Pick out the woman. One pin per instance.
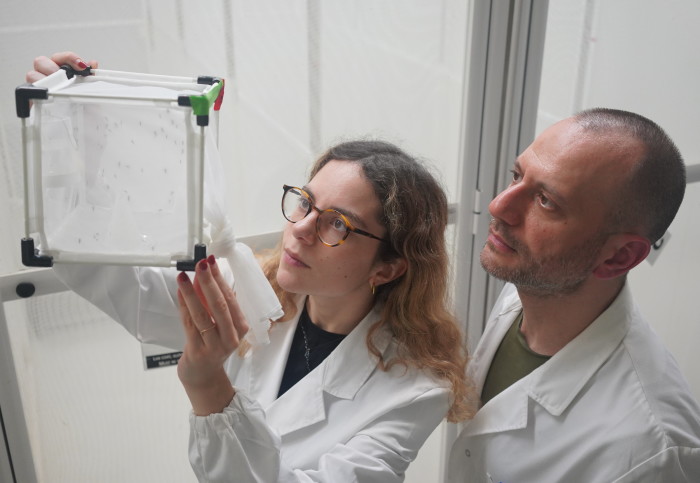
(367, 360)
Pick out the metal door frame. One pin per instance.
(500, 112)
(499, 122)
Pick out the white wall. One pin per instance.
(302, 74)
(639, 56)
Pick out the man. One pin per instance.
(575, 385)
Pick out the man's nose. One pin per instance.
(509, 204)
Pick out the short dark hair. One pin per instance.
(654, 191)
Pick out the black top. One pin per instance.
(310, 346)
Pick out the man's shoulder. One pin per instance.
(671, 405)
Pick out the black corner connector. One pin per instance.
(26, 92)
(200, 253)
(184, 101)
(207, 79)
(71, 72)
(23, 96)
(31, 257)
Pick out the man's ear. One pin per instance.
(621, 254)
(388, 271)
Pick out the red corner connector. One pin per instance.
(220, 97)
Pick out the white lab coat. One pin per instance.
(611, 406)
(346, 421)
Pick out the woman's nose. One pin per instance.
(305, 229)
(508, 205)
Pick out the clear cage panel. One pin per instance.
(113, 178)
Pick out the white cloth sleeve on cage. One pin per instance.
(258, 301)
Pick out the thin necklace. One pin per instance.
(307, 347)
(307, 350)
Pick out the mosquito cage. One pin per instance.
(114, 167)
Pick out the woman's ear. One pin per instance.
(388, 271)
(622, 253)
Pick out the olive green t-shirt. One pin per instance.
(513, 361)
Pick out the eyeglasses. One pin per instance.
(332, 227)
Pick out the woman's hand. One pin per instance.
(44, 66)
(214, 326)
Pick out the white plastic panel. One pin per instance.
(92, 412)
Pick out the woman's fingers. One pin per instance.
(44, 66)
(209, 343)
(191, 331)
(239, 320)
(221, 304)
(70, 58)
(193, 312)
(209, 307)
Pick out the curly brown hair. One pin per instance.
(415, 305)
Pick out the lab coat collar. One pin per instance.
(506, 309)
(268, 362)
(556, 383)
(341, 375)
(512, 414)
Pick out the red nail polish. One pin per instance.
(203, 265)
(211, 259)
(82, 64)
(182, 276)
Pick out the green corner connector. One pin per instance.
(202, 104)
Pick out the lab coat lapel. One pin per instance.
(348, 369)
(555, 384)
(299, 407)
(508, 410)
(342, 374)
(505, 311)
(267, 365)
(505, 412)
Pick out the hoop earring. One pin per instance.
(371, 286)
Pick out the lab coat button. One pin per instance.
(467, 452)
